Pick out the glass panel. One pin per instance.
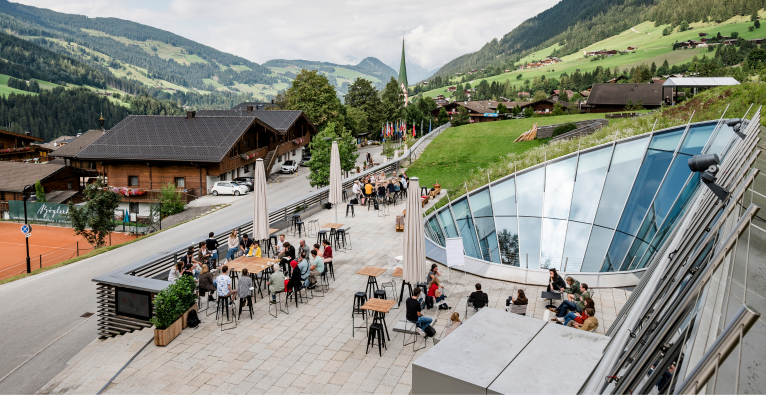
(674, 181)
(667, 141)
(647, 182)
(481, 205)
(504, 197)
(559, 182)
(466, 227)
(625, 163)
(697, 138)
(574, 248)
(634, 255)
(449, 225)
(529, 242)
(436, 231)
(597, 245)
(552, 243)
(616, 252)
(508, 237)
(530, 192)
(591, 169)
(720, 140)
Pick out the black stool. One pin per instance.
(376, 331)
(299, 227)
(296, 218)
(321, 235)
(242, 301)
(350, 206)
(423, 191)
(271, 246)
(343, 237)
(380, 294)
(372, 286)
(360, 298)
(223, 304)
(330, 270)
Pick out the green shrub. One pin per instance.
(171, 200)
(561, 129)
(173, 301)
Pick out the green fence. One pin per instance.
(39, 212)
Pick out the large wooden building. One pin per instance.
(142, 153)
(60, 183)
(615, 97)
(21, 147)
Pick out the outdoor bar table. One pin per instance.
(372, 283)
(333, 233)
(551, 296)
(379, 308)
(254, 265)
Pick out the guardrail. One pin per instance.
(147, 276)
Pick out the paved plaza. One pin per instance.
(309, 350)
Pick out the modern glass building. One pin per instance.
(603, 209)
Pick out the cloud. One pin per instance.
(331, 31)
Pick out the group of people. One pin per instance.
(379, 187)
(578, 309)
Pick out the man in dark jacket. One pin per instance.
(414, 314)
(479, 299)
(212, 246)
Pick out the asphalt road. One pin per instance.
(42, 327)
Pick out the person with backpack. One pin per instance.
(414, 314)
(436, 293)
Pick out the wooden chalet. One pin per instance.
(615, 97)
(479, 110)
(61, 183)
(22, 147)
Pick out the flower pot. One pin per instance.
(163, 337)
(186, 315)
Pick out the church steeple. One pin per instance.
(403, 70)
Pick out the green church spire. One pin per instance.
(403, 70)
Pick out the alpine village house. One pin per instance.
(144, 152)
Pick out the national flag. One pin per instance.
(429, 126)
(413, 130)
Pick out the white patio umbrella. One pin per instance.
(414, 266)
(336, 186)
(261, 207)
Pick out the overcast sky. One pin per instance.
(331, 30)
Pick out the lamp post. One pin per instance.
(26, 239)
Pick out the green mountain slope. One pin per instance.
(340, 76)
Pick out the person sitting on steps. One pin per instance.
(414, 314)
(478, 298)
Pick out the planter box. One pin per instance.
(163, 337)
(186, 315)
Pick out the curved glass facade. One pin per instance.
(603, 209)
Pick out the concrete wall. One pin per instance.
(544, 132)
(588, 129)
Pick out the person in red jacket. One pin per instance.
(436, 293)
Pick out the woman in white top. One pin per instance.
(233, 245)
(175, 272)
(357, 190)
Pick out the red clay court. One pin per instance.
(48, 246)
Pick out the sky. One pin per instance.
(337, 31)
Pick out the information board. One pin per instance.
(455, 252)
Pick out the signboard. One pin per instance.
(455, 252)
(490, 114)
(41, 212)
(133, 303)
(25, 229)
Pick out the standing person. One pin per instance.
(233, 245)
(404, 185)
(223, 285)
(555, 283)
(245, 243)
(317, 267)
(212, 245)
(415, 315)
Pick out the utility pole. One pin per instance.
(26, 239)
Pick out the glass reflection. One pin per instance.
(697, 138)
(530, 192)
(647, 182)
(508, 237)
(481, 205)
(466, 228)
(552, 243)
(445, 216)
(626, 159)
(720, 140)
(504, 197)
(529, 241)
(436, 231)
(667, 141)
(597, 245)
(674, 181)
(591, 169)
(574, 247)
(559, 182)
(617, 250)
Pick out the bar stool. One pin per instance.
(350, 206)
(423, 191)
(380, 294)
(321, 235)
(330, 270)
(271, 246)
(223, 304)
(344, 236)
(299, 227)
(249, 301)
(312, 225)
(360, 298)
(296, 218)
(376, 331)
(372, 286)
(278, 305)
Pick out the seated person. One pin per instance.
(381, 190)
(255, 250)
(327, 255)
(317, 267)
(414, 314)
(573, 287)
(280, 245)
(203, 255)
(520, 299)
(577, 303)
(243, 290)
(212, 245)
(294, 282)
(433, 272)
(176, 272)
(391, 189)
(245, 243)
(555, 283)
(589, 324)
(276, 285)
(223, 285)
(305, 268)
(436, 293)
(478, 298)
(368, 189)
(206, 285)
(191, 265)
(454, 322)
(578, 317)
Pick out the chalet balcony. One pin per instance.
(138, 195)
(245, 158)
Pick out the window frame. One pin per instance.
(183, 181)
(130, 178)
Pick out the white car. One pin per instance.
(228, 188)
(290, 166)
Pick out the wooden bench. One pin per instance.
(400, 223)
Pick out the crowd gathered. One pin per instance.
(379, 188)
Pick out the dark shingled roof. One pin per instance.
(71, 149)
(169, 138)
(619, 94)
(15, 175)
(243, 106)
(279, 120)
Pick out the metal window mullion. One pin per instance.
(471, 218)
(717, 129)
(600, 195)
(571, 199)
(542, 213)
(518, 219)
(494, 220)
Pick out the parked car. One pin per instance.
(305, 161)
(228, 188)
(247, 181)
(290, 166)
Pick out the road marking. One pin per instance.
(43, 349)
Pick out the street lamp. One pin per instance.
(26, 239)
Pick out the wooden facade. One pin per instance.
(20, 147)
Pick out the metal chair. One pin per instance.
(391, 261)
(413, 332)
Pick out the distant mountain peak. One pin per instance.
(376, 66)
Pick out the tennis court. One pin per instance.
(48, 246)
